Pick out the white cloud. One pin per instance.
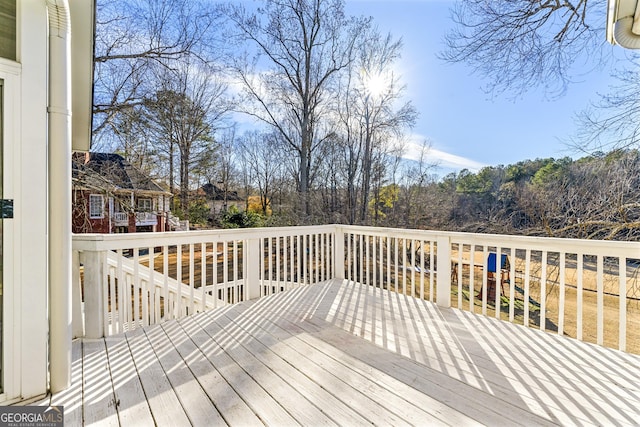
(414, 147)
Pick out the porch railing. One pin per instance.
(133, 280)
(121, 218)
(146, 218)
(582, 288)
(585, 289)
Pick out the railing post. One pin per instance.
(443, 269)
(77, 326)
(252, 261)
(338, 255)
(93, 301)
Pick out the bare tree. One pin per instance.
(370, 116)
(262, 156)
(612, 122)
(300, 46)
(185, 115)
(133, 38)
(522, 44)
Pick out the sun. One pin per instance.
(376, 84)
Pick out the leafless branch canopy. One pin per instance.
(521, 44)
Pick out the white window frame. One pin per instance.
(145, 208)
(93, 202)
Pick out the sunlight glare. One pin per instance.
(376, 84)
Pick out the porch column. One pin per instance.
(59, 116)
(93, 294)
(252, 268)
(76, 297)
(443, 270)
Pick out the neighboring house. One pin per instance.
(46, 79)
(112, 196)
(219, 200)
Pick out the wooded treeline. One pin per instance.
(594, 197)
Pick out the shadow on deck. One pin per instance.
(341, 353)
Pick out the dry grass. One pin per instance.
(610, 302)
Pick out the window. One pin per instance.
(145, 205)
(96, 206)
(8, 29)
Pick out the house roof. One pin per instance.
(213, 192)
(111, 172)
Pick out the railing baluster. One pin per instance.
(104, 269)
(381, 261)
(413, 268)
(397, 268)
(292, 268)
(543, 292)
(484, 279)
(498, 281)
(374, 260)
(300, 259)
(360, 260)
(203, 276)
(305, 254)
(367, 261)
(270, 252)
(278, 262)
(579, 295)
(330, 253)
(527, 283)
(561, 304)
(512, 286)
(131, 301)
(472, 278)
(178, 310)
(422, 242)
(404, 266)
(192, 285)
(136, 288)
(285, 263)
(321, 249)
(432, 276)
(388, 245)
(622, 290)
(153, 312)
(144, 285)
(236, 278)
(165, 277)
(459, 273)
(121, 293)
(317, 253)
(600, 300)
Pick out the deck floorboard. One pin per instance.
(342, 353)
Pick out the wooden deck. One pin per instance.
(345, 354)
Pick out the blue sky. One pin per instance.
(466, 127)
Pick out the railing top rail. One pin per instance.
(101, 242)
(552, 244)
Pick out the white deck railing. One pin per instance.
(582, 288)
(172, 275)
